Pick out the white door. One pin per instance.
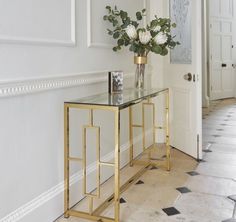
(186, 100)
(221, 49)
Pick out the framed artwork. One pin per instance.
(115, 81)
(180, 13)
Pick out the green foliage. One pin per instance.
(120, 20)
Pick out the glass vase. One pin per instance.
(140, 61)
(139, 76)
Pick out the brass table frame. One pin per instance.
(94, 214)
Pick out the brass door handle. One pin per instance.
(188, 77)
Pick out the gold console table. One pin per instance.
(114, 103)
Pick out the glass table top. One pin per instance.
(121, 100)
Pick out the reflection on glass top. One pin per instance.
(127, 97)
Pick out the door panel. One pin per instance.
(215, 7)
(226, 8)
(227, 49)
(216, 82)
(216, 26)
(181, 122)
(216, 51)
(221, 70)
(227, 82)
(226, 27)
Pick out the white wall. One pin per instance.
(52, 51)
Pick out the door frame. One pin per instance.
(205, 56)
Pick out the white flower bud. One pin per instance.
(131, 32)
(157, 28)
(161, 38)
(144, 37)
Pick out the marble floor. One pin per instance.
(191, 191)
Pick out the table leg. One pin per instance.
(117, 165)
(167, 131)
(143, 127)
(131, 140)
(66, 161)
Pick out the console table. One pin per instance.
(114, 103)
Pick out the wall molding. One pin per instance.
(92, 44)
(19, 87)
(46, 41)
(42, 199)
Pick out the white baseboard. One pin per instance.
(205, 102)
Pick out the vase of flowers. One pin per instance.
(154, 37)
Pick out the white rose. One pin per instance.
(144, 37)
(131, 32)
(161, 38)
(157, 28)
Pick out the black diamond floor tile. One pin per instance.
(171, 211)
(122, 200)
(139, 182)
(207, 151)
(216, 135)
(183, 190)
(193, 173)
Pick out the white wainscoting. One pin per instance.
(31, 146)
(31, 38)
(54, 192)
(48, 205)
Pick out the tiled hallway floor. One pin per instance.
(191, 192)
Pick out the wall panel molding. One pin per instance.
(92, 43)
(46, 41)
(35, 85)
